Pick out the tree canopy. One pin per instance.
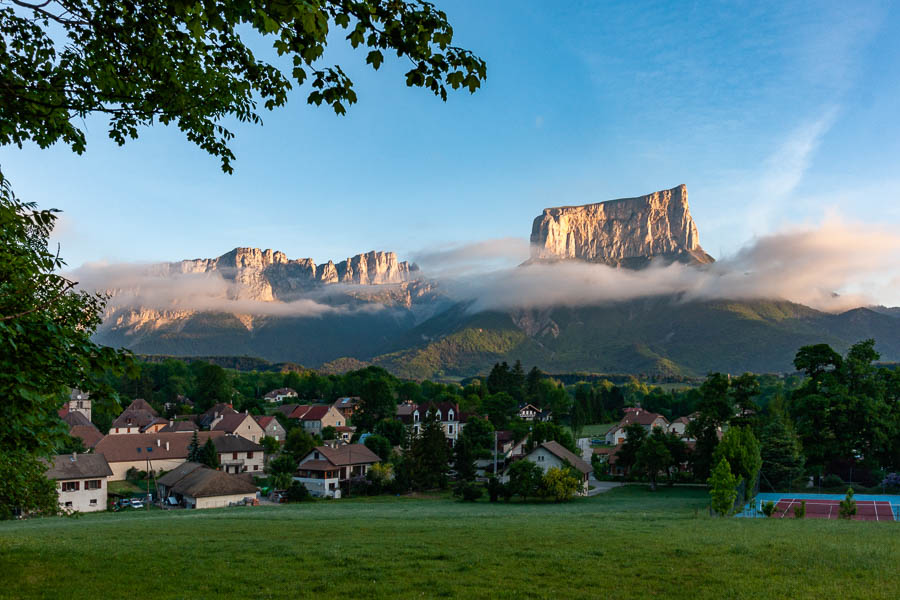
(190, 63)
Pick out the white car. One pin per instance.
(135, 503)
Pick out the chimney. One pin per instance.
(171, 422)
(158, 443)
(74, 456)
(167, 446)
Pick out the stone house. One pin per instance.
(271, 427)
(138, 417)
(81, 480)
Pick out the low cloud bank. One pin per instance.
(831, 267)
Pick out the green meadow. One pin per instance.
(627, 543)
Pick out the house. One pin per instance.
(182, 426)
(447, 413)
(287, 409)
(325, 469)
(649, 420)
(316, 417)
(211, 417)
(148, 451)
(271, 427)
(545, 416)
(78, 402)
(136, 418)
(237, 454)
(82, 428)
(553, 454)
(81, 480)
(347, 405)
(193, 485)
(241, 424)
(344, 433)
(280, 395)
(528, 412)
(180, 400)
(679, 427)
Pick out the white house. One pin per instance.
(447, 413)
(552, 454)
(280, 395)
(239, 455)
(616, 434)
(81, 480)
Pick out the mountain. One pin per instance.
(628, 232)
(374, 309)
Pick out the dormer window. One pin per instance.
(450, 416)
(416, 416)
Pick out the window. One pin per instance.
(540, 458)
(316, 456)
(92, 484)
(149, 449)
(450, 429)
(68, 505)
(234, 455)
(70, 486)
(117, 430)
(93, 502)
(138, 450)
(256, 467)
(249, 455)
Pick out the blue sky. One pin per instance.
(773, 114)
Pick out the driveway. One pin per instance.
(601, 486)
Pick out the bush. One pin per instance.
(832, 480)
(495, 489)
(468, 491)
(848, 506)
(800, 510)
(768, 508)
(891, 481)
(297, 492)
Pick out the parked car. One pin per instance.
(136, 503)
(124, 502)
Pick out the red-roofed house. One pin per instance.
(316, 417)
(649, 420)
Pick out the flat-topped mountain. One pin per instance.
(266, 275)
(629, 232)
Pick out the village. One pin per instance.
(163, 453)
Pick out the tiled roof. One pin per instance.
(130, 447)
(263, 420)
(235, 443)
(232, 422)
(314, 413)
(76, 418)
(205, 483)
(287, 409)
(178, 473)
(348, 454)
(89, 435)
(78, 466)
(141, 404)
(134, 418)
(175, 426)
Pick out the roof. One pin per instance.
(235, 443)
(287, 409)
(178, 473)
(232, 422)
(684, 420)
(78, 466)
(205, 482)
(264, 421)
(141, 404)
(130, 447)
(76, 418)
(89, 435)
(174, 426)
(286, 391)
(156, 421)
(216, 411)
(348, 454)
(133, 418)
(531, 406)
(640, 416)
(317, 465)
(557, 450)
(315, 412)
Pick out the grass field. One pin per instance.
(591, 431)
(628, 543)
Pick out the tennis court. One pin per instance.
(866, 510)
(869, 507)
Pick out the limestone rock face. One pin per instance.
(628, 232)
(268, 276)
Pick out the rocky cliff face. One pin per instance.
(268, 276)
(628, 232)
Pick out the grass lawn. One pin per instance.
(591, 431)
(627, 543)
